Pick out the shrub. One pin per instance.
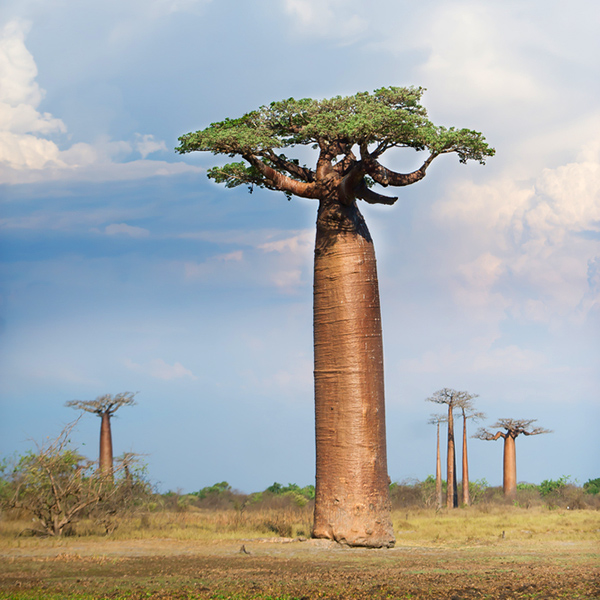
(477, 490)
(549, 486)
(592, 486)
(59, 486)
(300, 496)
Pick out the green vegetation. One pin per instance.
(54, 491)
(551, 486)
(592, 486)
(217, 488)
(56, 486)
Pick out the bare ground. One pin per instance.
(282, 568)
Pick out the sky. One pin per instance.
(123, 268)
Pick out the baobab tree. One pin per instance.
(513, 428)
(436, 420)
(468, 412)
(104, 407)
(453, 399)
(350, 135)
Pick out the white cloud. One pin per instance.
(528, 246)
(292, 253)
(331, 18)
(296, 244)
(17, 67)
(124, 229)
(287, 255)
(146, 144)
(160, 369)
(27, 156)
(469, 56)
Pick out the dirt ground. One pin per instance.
(282, 568)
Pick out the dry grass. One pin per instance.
(489, 525)
(486, 525)
(190, 525)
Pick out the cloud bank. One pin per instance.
(31, 141)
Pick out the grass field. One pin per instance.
(488, 552)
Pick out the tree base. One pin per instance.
(358, 535)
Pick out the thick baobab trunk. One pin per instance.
(510, 467)
(465, 465)
(106, 451)
(451, 493)
(352, 503)
(438, 474)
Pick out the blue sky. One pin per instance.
(123, 268)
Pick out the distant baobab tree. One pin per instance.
(453, 399)
(468, 412)
(104, 407)
(436, 420)
(513, 428)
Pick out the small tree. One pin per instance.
(57, 484)
(513, 428)
(436, 420)
(453, 400)
(104, 407)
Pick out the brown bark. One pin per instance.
(438, 473)
(452, 492)
(465, 464)
(106, 450)
(352, 488)
(510, 466)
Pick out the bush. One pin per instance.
(477, 490)
(592, 486)
(300, 496)
(58, 486)
(551, 486)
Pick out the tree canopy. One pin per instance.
(513, 428)
(454, 399)
(106, 404)
(351, 133)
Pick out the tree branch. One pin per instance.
(364, 193)
(385, 176)
(280, 182)
(484, 434)
(303, 173)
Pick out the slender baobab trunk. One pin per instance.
(106, 451)
(352, 503)
(438, 473)
(451, 493)
(465, 464)
(510, 466)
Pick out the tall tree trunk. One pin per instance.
(465, 465)
(451, 487)
(352, 503)
(510, 467)
(438, 473)
(106, 451)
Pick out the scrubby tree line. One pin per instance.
(463, 401)
(408, 494)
